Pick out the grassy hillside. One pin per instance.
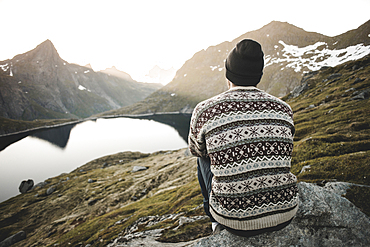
(331, 140)
(332, 124)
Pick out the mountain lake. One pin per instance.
(43, 154)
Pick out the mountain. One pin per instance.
(39, 84)
(290, 52)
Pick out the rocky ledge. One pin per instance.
(324, 218)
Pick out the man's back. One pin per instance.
(248, 135)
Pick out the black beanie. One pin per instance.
(244, 63)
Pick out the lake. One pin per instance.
(48, 153)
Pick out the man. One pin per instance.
(244, 140)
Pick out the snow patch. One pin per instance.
(220, 69)
(185, 75)
(80, 87)
(311, 58)
(368, 35)
(87, 71)
(4, 67)
(173, 94)
(268, 35)
(213, 67)
(19, 82)
(56, 66)
(11, 72)
(64, 63)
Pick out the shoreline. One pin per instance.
(90, 119)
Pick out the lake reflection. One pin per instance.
(49, 153)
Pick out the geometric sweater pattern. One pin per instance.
(248, 136)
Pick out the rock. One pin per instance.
(324, 218)
(40, 185)
(333, 76)
(91, 181)
(310, 107)
(50, 190)
(13, 239)
(357, 80)
(339, 188)
(138, 168)
(298, 90)
(25, 186)
(305, 168)
(92, 202)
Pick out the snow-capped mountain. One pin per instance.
(290, 52)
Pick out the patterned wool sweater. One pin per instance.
(248, 135)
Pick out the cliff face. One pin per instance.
(39, 84)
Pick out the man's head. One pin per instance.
(244, 63)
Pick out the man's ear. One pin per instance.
(228, 84)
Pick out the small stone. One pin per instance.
(25, 186)
(92, 202)
(91, 181)
(13, 239)
(40, 185)
(305, 168)
(357, 80)
(138, 168)
(50, 190)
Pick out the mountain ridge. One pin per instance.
(290, 52)
(40, 84)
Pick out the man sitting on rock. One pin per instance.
(244, 141)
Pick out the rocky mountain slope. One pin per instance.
(40, 85)
(290, 52)
(134, 198)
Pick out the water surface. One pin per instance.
(48, 153)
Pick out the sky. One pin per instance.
(136, 35)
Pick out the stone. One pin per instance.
(357, 80)
(50, 190)
(305, 168)
(25, 186)
(333, 76)
(40, 185)
(91, 181)
(324, 218)
(13, 239)
(138, 168)
(298, 90)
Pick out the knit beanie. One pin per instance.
(244, 63)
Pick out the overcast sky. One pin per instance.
(135, 35)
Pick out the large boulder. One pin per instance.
(25, 186)
(324, 218)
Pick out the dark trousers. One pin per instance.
(205, 181)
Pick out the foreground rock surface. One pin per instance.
(324, 218)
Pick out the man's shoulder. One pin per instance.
(209, 102)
